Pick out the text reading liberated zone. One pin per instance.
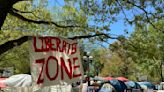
(56, 59)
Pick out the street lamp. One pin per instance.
(87, 61)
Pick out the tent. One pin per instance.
(149, 85)
(132, 84)
(106, 87)
(2, 84)
(108, 78)
(118, 85)
(23, 83)
(19, 80)
(122, 79)
(98, 78)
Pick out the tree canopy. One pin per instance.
(87, 19)
(80, 17)
(139, 55)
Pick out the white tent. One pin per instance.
(23, 83)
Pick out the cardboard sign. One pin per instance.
(55, 60)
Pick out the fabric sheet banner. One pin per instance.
(55, 60)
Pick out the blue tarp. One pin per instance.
(132, 84)
(118, 85)
(148, 84)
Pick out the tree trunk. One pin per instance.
(161, 73)
(11, 44)
(5, 7)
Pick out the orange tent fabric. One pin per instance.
(108, 78)
(122, 79)
(2, 84)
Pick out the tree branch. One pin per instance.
(29, 12)
(17, 42)
(146, 13)
(122, 9)
(90, 36)
(39, 21)
(5, 7)
(11, 44)
(16, 10)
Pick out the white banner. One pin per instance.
(55, 60)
